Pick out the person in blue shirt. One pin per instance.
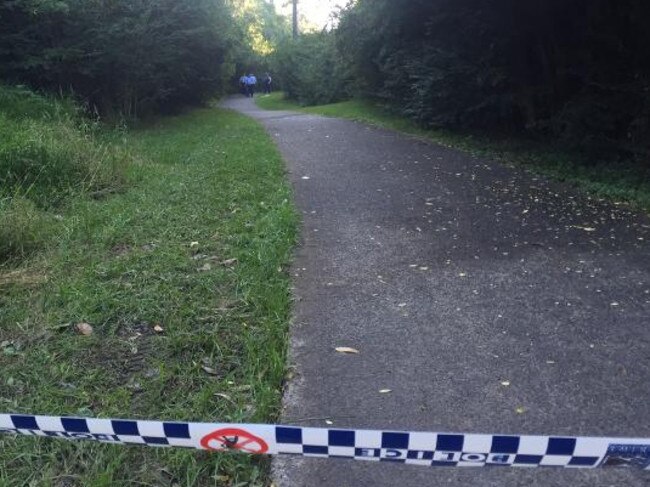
(251, 82)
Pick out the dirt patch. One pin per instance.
(121, 250)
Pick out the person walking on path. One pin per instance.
(267, 84)
(243, 85)
(251, 82)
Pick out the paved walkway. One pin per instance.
(451, 275)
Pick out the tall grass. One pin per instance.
(49, 153)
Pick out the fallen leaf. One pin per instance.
(505, 383)
(84, 329)
(229, 262)
(462, 274)
(205, 268)
(305, 177)
(586, 229)
(157, 328)
(401, 305)
(520, 410)
(224, 396)
(194, 244)
(209, 370)
(614, 304)
(550, 362)
(385, 391)
(346, 350)
(327, 421)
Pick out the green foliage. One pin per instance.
(310, 71)
(126, 263)
(129, 57)
(19, 102)
(48, 154)
(261, 31)
(574, 71)
(23, 227)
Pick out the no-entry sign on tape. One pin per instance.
(414, 448)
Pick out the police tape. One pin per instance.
(415, 448)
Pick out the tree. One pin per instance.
(126, 56)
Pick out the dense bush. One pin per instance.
(125, 56)
(310, 70)
(576, 71)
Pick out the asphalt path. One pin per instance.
(487, 299)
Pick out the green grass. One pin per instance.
(618, 181)
(49, 154)
(205, 187)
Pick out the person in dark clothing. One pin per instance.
(267, 83)
(242, 85)
(251, 82)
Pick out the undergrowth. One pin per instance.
(49, 154)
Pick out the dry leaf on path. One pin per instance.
(84, 329)
(505, 383)
(157, 328)
(520, 410)
(209, 370)
(385, 391)
(346, 350)
(586, 229)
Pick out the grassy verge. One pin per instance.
(625, 181)
(182, 278)
(49, 154)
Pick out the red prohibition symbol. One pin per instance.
(234, 439)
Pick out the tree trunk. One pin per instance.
(295, 19)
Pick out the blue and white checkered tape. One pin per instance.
(414, 448)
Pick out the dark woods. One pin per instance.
(121, 56)
(574, 70)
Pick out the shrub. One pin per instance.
(311, 71)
